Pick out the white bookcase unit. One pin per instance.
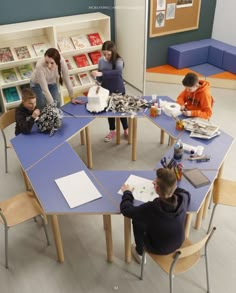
(31, 37)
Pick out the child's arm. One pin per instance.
(26, 122)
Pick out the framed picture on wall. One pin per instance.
(173, 16)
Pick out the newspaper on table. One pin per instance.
(201, 128)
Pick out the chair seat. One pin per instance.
(182, 264)
(20, 208)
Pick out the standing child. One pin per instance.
(158, 225)
(26, 112)
(196, 99)
(109, 73)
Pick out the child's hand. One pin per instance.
(74, 101)
(187, 113)
(36, 113)
(96, 73)
(126, 187)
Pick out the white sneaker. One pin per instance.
(136, 256)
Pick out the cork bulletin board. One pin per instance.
(172, 16)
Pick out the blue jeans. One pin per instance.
(41, 99)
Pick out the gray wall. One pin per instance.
(157, 47)
(13, 11)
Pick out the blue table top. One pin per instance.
(32, 147)
(62, 162)
(113, 180)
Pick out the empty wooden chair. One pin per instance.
(224, 192)
(6, 120)
(19, 209)
(182, 259)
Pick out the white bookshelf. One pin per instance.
(48, 31)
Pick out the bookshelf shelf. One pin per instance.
(49, 32)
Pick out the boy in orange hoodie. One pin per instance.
(196, 99)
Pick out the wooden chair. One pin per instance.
(6, 120)
(224, 192)
(19, 209)
(182, 259)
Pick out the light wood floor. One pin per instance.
(33, 265)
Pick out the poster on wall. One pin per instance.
(170, 11)
(160, 19)
(161, 4)
(184, 3)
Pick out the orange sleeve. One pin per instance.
(205, 110)
(181, 98)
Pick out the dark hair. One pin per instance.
(110, 46)
(28, 94)
(166, 181)
(190, 79)
(55, 55)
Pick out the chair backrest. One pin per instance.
(224, 192)
(7, 119)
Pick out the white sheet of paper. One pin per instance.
(143, 188)
(77, 189)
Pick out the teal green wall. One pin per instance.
(157, 47)
(13, 11)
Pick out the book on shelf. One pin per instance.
(95, 39)
(81, 60)
(80, 42)
(84, 78)
(95, 56)
(11, 94)
(9, 75)
(6, 55)
(69, 63)
(74, 81)
(25, 70)
(40, 48)
(22, 52)
(65, 44)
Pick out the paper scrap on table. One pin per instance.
(143, 188)
(77, 189)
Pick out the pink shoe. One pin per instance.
(126, 134)
(110, 136)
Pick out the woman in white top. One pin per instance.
(44, 81)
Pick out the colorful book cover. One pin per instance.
(65, 44)
(95, 39)
(11, 94)
(73, 80)
(84, 78)
(6, 55)
(94, 56)
(9, 75)
(40, 48)
(80, 41)
(81, 60)
(22, 52)
(25, 71)
(69, 64)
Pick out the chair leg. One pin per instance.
(142, 265)
(6, 246)
(45, 229)
(207, 274)
(212, 215)
(6, 165)
(171, 282)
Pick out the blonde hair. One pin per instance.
(28, 94)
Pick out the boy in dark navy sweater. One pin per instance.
(26, 112)
(158, 225)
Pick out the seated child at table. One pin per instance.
(159, 225)
(195, 100)
(26, 112)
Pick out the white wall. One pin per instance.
(130, 29)
(225, 22)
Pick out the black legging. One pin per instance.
(112, 123)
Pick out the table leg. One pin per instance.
(89, 148)
(219, 175)
(198, 222)
(188, 224)
(172, 140)
(82, 137)
(130, 130)
(127, 235)
(117, 130)
(162, 136)
(134, 138)
(26, 181)
(108, 234)
(57, 238)
(206, 204)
